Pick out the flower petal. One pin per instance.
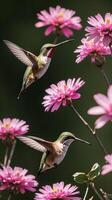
(96, 110)
(102, 100)
(100, 122)
(109, 93)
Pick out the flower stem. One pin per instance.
(90, 129)
(82, 119)
(96, 191)
(86, 193)
(9, 197)
(105, 195)
(11, 152)
(105, 76)
(6, 156)
(100, 144)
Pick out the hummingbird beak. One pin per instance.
(84, 141)
(66, 41)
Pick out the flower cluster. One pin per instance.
(16, 180)
(11, 128)
(95, 50)
(62, 94)
(59, 20)
(97, 41)
(58, 191)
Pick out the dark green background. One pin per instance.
(17, 25)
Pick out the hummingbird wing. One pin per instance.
(24, 56)
(46, 144)
(32, 143)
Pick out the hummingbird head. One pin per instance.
(46, 47)
(67, 136)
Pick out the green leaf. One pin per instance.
(80, 177)
(94, 172)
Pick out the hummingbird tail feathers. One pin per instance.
(21, 91)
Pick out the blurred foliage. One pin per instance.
(17, 25)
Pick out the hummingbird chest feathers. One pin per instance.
(43, 64)
(56, 157)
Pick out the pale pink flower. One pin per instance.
(96, 50)
(10, 128)
(58, 191)
(16, 180)
(108, 166)
(59, 20)
(104, 108)
(100, 29)
(62, 93)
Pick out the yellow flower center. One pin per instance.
(7, 126)
(60, 16)
(108, 20)
(54, 189)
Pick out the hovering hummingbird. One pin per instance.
(36, 65)
(53, 152)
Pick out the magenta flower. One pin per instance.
(104, 108)
(100, 29)
(62, 93)
(59, 20)
(58, 191)
(10, 128)
(16, 180)
(96, 50)
(108, 166)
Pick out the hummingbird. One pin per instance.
(36, 65)
(53, 152)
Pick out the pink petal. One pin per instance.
(102, 100)
(109, 93)
(67, 32)
(106, 169)
(40, 24)
(101, 121)
(49, 30)
(96, 110)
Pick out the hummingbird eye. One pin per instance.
(69, 137)
(48, 48)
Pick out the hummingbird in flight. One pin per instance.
(53, 152)
(36, 65)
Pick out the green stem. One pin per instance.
(105, 76)
(9, 197)
(90, 129)
(105, 195)
(96, 191)
(86, 193)
(82, 119)
(100, 144)
(6, 155)
(11, 152)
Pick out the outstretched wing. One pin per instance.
(32, 143)
(24, 56)
(47, 144)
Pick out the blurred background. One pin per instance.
(17, 25)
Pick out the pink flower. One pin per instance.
(104, 108)
(58, 191)
(96, 50)
(62, 94)
(100, 29)
(16, 180)
(59, 20)
(107, 167)
(10, 128)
